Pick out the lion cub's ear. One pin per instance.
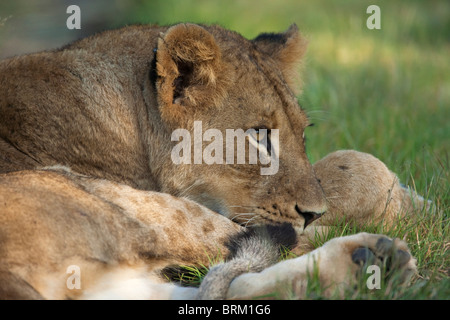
(189, 68)
(287, 49)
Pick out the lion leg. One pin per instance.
(131, 283)
(338, 263)
(13, 287)
(361, 188)
(186, 232)
(251, 251)
(53, 221)
(255, 250)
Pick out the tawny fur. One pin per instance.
(105, 107)
(360, 187)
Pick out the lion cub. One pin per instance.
(120, 241)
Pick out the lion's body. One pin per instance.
(106, 107)
(51, 220)
(99, 127)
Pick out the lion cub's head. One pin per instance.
(236, 129)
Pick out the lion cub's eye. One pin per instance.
(261, 137)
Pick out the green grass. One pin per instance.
(428, 240)
(385, 92)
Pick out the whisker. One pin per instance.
(243, 206)
(242, 214)
(246, 224)
(187, 189)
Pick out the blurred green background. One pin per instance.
(386, 92)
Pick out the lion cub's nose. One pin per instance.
(308, 215)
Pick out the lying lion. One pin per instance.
(92, 204)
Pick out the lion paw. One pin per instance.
(356, 253)
(385, 251)
(391, 255)
(339, 264)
